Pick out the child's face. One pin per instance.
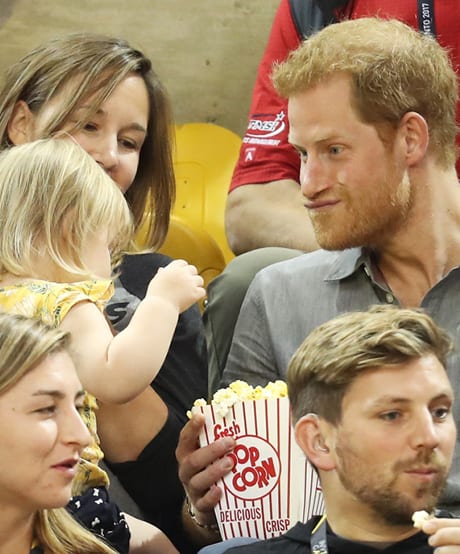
(96, 254)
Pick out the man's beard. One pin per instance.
(382, 496)
(369, 221)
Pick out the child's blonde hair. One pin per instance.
(53, 195)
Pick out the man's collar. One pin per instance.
(348, 262)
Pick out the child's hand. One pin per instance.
(443, 532)
(179, 283)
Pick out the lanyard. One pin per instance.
(426, 17)
(318, 538)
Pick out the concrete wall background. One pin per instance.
(205, 51)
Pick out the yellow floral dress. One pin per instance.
(51, 302)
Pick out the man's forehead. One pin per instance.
(421, 379)
(320, 113)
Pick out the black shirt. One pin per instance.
(297, 541)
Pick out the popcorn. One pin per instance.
(271, 485)
(420, 517)
(240, 391)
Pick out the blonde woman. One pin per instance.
(42, 436)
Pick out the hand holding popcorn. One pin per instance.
(271, 485)
(444, 534)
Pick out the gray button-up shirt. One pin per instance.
(289, 299)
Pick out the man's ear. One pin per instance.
(21, 124)
(416, 136)
(311, 435)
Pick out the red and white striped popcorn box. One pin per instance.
(272, 485)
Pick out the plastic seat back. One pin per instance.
(204, 160)
(205, 157)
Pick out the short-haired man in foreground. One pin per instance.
(371, 404)
(372, 115)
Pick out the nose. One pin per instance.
(105, 153)
(74, 430)
(313, 176)
(424, 433)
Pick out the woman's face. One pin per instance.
(42, 436)
(115, 134)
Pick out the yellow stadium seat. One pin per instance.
(203, 164)
(205, 157)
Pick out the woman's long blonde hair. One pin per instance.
(24, 344)
(60, 533)
(53, 195)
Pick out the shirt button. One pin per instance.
(389, 298)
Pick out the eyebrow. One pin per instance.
(330, 138)
(384, 401)
(132, 126)
(135, 127)
(57, 393)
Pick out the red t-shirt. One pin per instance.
(265, 154)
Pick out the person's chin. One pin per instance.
(329, 242)
(57, 498)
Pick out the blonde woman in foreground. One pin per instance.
(42, 436)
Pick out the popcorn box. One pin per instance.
(272, 485)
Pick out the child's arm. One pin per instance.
(118, 368)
